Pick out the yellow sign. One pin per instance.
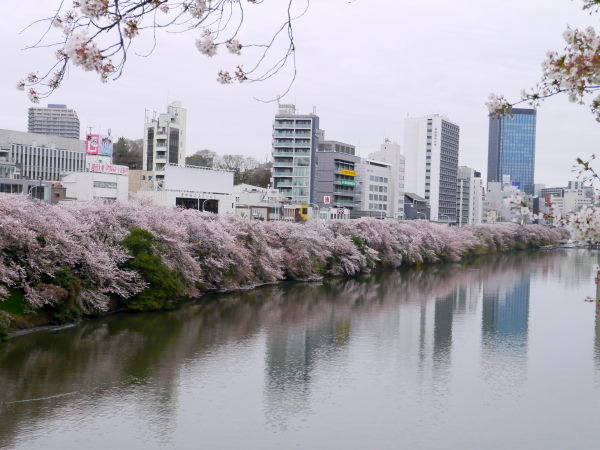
(350, 173)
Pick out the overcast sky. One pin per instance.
(365, 65)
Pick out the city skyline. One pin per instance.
(368, 103)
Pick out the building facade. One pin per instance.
(375, 187)
(390, 153)
(334, 176)
(295, 144)
(431, 146)
(469, 197)
(54, 120)
(164, 141)
(200, 188)
(34, 156)
(511, 148)
(415, 207)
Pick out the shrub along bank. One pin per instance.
(59, 263)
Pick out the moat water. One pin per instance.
(498, 354)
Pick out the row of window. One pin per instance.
(374, 188)
(378, 179)
(377, 207)
(378, 197)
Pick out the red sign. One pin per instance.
(341, 211)
(92, 144)
(327, 199)
(109, 168)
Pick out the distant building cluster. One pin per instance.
(312, 177)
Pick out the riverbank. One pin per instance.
(63, 262)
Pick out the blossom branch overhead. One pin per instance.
(96, 36)
(574, 71)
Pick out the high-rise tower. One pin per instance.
(511, 148)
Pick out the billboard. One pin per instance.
(109, 168)
(197, 179)
(96, 144)
(92, 144)
(106, 146)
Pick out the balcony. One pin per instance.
(283, 143)
(283, 134)
(345, 182)
(302, 144)
(285, 154)
(283, 124)
(282, 173)
(283, 163)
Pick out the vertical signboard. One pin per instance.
(327, 199)
(106, 146)
(92, 144)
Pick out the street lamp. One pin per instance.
(447, 217)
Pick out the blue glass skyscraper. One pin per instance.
(511, 148)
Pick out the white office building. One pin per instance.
(375, 187)
(295, 143)
(164, 141)
(390, 153)
(469, 197)
(431, 150)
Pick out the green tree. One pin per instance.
(165, 286)
(128, 152)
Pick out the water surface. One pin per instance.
(500, 354)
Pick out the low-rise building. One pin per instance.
(257, 203)
(110, 183)
(201, 188)
(415, 207)
(504, 202)
(375, 186)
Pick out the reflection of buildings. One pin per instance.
(506, 311)
(505, 328)
(291, 355)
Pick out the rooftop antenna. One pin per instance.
(314, 109)
(109, 132)
(90, 129)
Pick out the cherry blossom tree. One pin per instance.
(98, 36)
(39, 243)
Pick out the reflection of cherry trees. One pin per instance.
(142, 357)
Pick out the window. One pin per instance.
(105, 184)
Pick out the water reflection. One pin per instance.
(307, 335)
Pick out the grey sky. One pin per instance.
(364, 65)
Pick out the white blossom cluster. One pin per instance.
(234, 46)
(92, 8)
(198, 8)
(584, 225)
(206, 44)
(84, 53)
(498, 105)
